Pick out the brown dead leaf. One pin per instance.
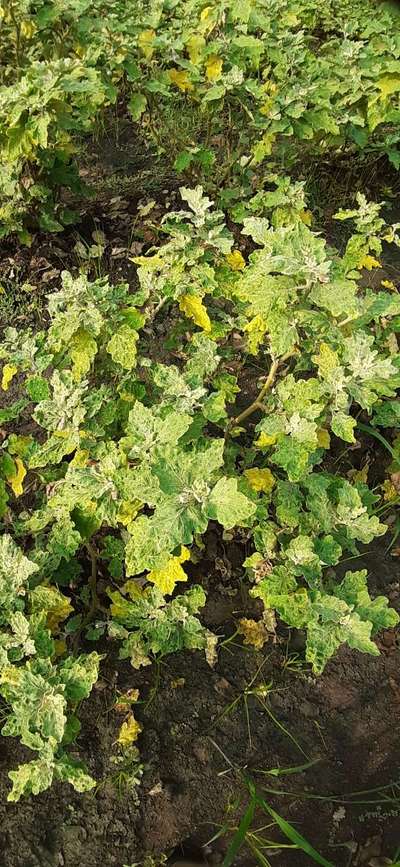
(395, 479)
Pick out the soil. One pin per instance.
(193, 749)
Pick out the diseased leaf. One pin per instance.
(129, 731)
(193, 307)
(15, 571)
(254, 632)
(260, 479)
(166, 579)
(122, 347)
(16, 480)
(30, 779)
(83, 350)
(343, 426)
(9, 371)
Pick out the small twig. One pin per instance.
(157, 308)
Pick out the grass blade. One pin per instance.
(290, 832)
(240, 834)
(277, 772)
(367, 428)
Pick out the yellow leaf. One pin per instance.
(265, 440)
(390, 492)
(166, 579)
(129, 731)
(127, 512)
(11, 675)
(260, 480)
(9, 370)
(64, 434)
(306, 217)
(53, 604)
(82, 350)
(254, 632)
(128, 398)
(205, 13)
(178, 683)
(133, 589)
(145, 43)
(262, 148)
(60, 609)
(323, 438)
(90, 507)
(265, 108)
(193, 307)
(391, 343)
(269, 86)
(290, 19)
(195, 47)
(389, 84)
(80, 458)
(361, 475)
(235, 260)
(16, 481)
(327, 361)
(60, 647)
(213, 67)
(388, 284)
(368, 262)
(119, 604)
(256, 329)
(28, 28)
(179, 77)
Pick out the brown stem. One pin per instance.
(258, 402)
(17, 28)
(95, 604)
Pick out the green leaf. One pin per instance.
(148, 545)
(228, 506)
(71, 771)
(79, 675)
(160, 627)
(328, 550)
(37, 388)
(137, 105)
(294, 457)
(354, 590)
(183, 161)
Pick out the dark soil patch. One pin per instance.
(347, 720)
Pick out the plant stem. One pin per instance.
(94, 605)
(258, 402)
(17, 28)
